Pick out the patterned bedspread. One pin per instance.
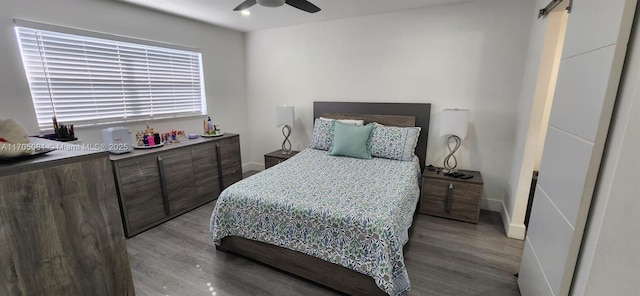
(351, 212)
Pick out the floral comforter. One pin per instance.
(351, 212)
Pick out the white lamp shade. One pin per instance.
(454, 122)
(284, 115)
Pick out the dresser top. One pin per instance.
(64, 153)
(169, 146)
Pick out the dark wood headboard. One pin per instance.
(393, 114)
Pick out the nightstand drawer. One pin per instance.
(276, 157)
(271, 161)
(460, 202)
(460, 190)
(461, 209)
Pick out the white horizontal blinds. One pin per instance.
(87, 80)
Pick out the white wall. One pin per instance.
(222, 50)
(468, 55)
(609, 259)
(541, 70)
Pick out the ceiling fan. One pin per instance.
(299, 4)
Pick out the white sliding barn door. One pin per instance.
(593, 55)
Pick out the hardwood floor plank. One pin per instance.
(444, 257)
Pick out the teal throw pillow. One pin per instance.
(351, 141)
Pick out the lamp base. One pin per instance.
(447, 166)
(449, 171)
(286, 144)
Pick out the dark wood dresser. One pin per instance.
(60, 227)
(452, 198)
(276, 157)
(155, 185)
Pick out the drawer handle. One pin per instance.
(219, 157)
(163, 182)
(449, 197)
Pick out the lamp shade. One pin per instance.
(454, 122)
(284, 115)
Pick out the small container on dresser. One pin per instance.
(452, 198)
(276, 157)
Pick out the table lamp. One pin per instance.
(454, 124)
(284, 118)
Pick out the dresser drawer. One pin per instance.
(143, 204)
(206, 171)
(230, 151)
(138, 169)
(231, 176)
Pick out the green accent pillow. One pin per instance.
(351, 141)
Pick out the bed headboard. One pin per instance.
(392, 114)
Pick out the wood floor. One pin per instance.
(444, 257)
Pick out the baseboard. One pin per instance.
(252, 166)
(516, 231)
(493, 205)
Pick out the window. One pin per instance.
(87, 78)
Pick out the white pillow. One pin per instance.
(356, 122)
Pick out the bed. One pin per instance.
(341, 222)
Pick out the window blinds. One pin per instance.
(84, 80)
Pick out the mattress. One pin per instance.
(352, 212)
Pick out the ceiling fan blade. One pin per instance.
(245, 5)
(303, 5)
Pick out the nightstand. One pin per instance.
(452, 198)
(276, 157)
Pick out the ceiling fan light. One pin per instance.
(271, 3)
